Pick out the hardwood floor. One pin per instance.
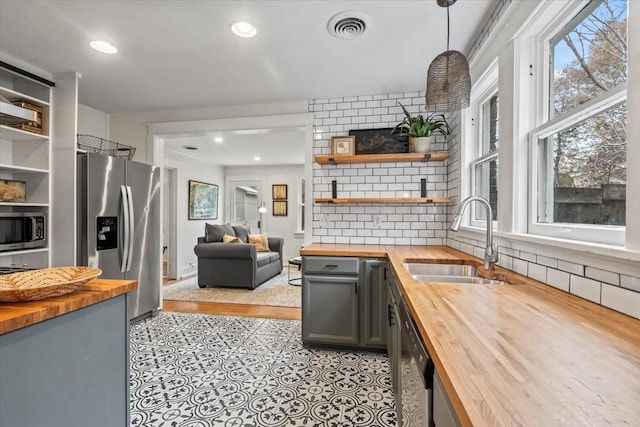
(245, 310)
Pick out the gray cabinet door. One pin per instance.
(374, 304)
(330, 310)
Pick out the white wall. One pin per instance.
(130, 128)
(189, 230)
(93, 122)
(277, 226)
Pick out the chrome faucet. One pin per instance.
(490, 253)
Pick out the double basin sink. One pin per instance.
(453, 273)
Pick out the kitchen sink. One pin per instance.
(420, 269)
(453, 273)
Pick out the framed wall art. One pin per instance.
(280, 208)
(279, 191)
(343, 145)
(203, 200)
(379, 141)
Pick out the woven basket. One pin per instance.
(44, 283)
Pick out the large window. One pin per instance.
(580, 151)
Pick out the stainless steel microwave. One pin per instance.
(22, 230)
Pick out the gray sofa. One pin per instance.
(236, 265)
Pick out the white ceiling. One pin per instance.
(282, 146)
(178, 54)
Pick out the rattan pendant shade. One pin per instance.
(448, 79)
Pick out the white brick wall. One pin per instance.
(398, 224)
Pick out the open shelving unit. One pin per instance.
(26, 156)
(382, 158)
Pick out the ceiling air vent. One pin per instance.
(348, 24)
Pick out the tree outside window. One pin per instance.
(583, 177)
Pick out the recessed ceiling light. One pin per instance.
(244, 30)
(256, 158)
(104, 47)
(189, 147)
(218, 139)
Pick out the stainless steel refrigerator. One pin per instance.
(119, 225)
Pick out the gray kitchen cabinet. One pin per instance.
(443, 413)
(330, 300)
(373, 301)
(344, 301)
(330, 310)
(68, 371)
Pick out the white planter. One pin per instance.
(420, 145)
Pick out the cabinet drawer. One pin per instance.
(330, 265)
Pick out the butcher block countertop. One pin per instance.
(523, 354)
(18, 315)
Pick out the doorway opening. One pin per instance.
(169, 225)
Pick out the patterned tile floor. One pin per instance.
(197, 370)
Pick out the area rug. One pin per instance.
(275, 291)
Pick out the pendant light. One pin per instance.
(262, 208)
(448, 79)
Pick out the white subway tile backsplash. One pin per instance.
(528, 256)
(549, 262)
(585, 288)
(622, 300)
(571, 267)
(602, 275)
(520, 266)
(558, 279)
(537, 272)
(629, 282)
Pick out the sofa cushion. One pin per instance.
(263, 258)
(215, 232)
(230, 239)
(261, 242)
(242, 231)
(274, 256)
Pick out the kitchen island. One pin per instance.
(64, 361)
(521, 354)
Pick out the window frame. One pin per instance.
(541, 66)
(481, 93)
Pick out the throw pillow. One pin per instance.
(242, 231)
(230, 239)
(261, 242)
(215, 232)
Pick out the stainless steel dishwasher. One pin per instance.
(416, 375)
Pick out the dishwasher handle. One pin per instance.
(429, 372)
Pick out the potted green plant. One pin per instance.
(420, 129)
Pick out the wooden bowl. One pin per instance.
(44, 283)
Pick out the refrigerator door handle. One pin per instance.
(127, 223)
(131, 227)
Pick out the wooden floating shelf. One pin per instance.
(382, 158)
(348, 201)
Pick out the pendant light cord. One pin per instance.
(447, 26)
